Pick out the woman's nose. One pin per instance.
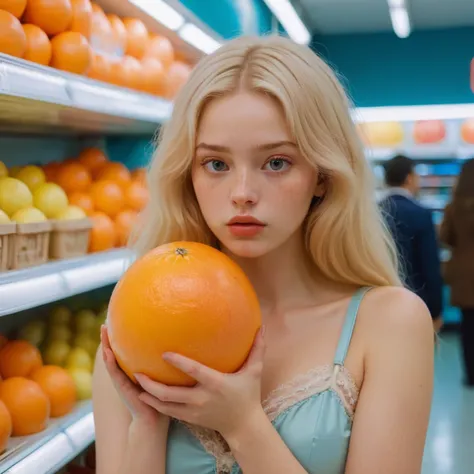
(244, 192)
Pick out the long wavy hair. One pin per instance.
(345, 233)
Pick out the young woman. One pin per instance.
(457, 231)
(262, 160)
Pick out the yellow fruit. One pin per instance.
(14, 170)
(86, 342)
(28, 215)
(14, 195)
(4, 219)
(71, 213)
(3, 170)
(32, 176)
(33, 332)
(59, 332)
(60, 315)
(83, 380)
(56, 352)
(85, 320)
(79, 358)
(50, 199)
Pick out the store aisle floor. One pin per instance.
(450, 444)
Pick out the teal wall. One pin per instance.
(231, 18)
(429, 67)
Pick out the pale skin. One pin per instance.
(390, 357)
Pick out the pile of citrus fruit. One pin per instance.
(77, 36)
(89, 185)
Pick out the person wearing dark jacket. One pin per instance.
(414, 233)
(457, 231)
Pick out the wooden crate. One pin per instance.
(30, 245)
(7, 234)
(69, 239)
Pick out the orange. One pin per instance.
(15, 7)
(467, 131)
(5, 427)
(177, 75)
(103, 234)
(161, 48)
(124, 222)
(182, 297)
(136, 196)
(153, 78)
(73, 177)
(118, 73)
(101, 69)
(59, 387)
(12, 36)
(137, 37)
(27, 403)
(71, 52)
(52, 16)
(38, 46)
(3, 340)
(116, 172)
(101, 34)
(19, 358)
(119, 33)
(108, 197)
(429, 131)
(50, 170)
(81, 17)
(139, 175)
(92, 158)
(132, 70)
(82, 200)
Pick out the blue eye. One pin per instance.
(215, 166)
(277, 164)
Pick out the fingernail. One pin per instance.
(167, 355)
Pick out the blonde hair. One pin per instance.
(345, 234)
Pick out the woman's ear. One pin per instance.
(321, 187)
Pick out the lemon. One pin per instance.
(28, 215)
(60, 315)
(79, 358)
(4, 219)
(71, 213)
(33, 332)
(83, 381)
(32, 176)
(50, 199)
(3, 170)
(85, 320)
(59, 332)
(14, 195)
(56, 352)
(86, 342)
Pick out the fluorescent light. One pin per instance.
(400, 22)
(413, 113)
(197, 38)
(396, 3)
(161, 12)
(287, 16)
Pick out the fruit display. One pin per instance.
(78, 37)
(214, 310)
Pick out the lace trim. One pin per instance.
(318, 380)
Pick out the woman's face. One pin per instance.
(252, 184)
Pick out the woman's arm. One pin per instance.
(393, 411)
(125, 445)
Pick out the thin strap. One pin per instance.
(348, 328)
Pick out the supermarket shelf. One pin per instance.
(421, 152)
(31, 287)
(38, 99)
(48, 451)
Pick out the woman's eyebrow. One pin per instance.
(264, 146)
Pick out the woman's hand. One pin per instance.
(221, 402)
(128, 391)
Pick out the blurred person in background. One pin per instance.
(457, 231)
(413, 230)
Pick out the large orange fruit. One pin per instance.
(132, 70)
(108, 197)
(52, 16)
(15, 7)
(153, 78)
(71, 52)
(27, 403)
(81, 17)
(103, 234)
(119, 33)
(73, 177)
(137, 37)
(177, 74)
(136, 196)
(12, 36)
(124, 222)
(5, 426)
(38, 46)
(92, 158)
(101, 68)
(161, 48)
(187, 298)
(116, 172)
(19, 359)
(59, 387)
(82, 200)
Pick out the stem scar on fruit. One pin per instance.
(181, 251)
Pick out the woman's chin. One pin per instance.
(248, 248)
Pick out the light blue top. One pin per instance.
(312, 413)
